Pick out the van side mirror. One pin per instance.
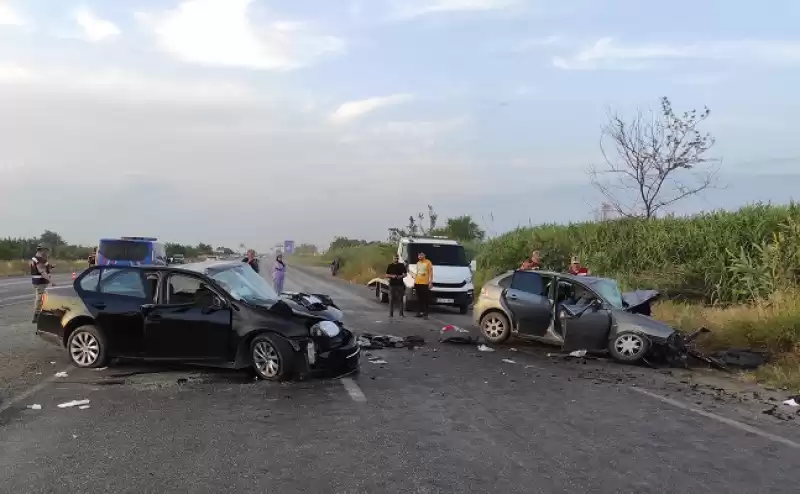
(473, 265)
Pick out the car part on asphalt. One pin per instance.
(742, 359)
(454, 334)
(371, 341)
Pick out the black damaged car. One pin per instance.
(215, 313)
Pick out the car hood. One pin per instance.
(326, 314)
(638, 298)
(625, 321)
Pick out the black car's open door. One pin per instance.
(527, 301)
(586, 327)
(190, 321)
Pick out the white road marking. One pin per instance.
(15, 303)
(34, 389)
(28, 296)
(353, 390)
(719, 418)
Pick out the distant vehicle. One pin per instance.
(178, 259)
(576, 312)
(452, 273)
(131, 251)
(219, 313)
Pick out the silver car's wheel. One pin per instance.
(495, 327)
(629, 347)
(86, 347)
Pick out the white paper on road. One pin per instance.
(73, 403)
(61, 374)
(83, 407)
(484, 348)
(35, 406)
(792, 403)
(508, 361)
(379, 361)
(578, 353)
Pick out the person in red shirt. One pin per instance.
(533, 262)
(576, 268)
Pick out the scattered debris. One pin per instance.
(377, 360)
(35, 406)
(73, 403)
(53, 362)
(371, 341)
(743, 359)
(100, 369)
(454, 334)
(508, 361)
(782, 412)
(577, 353)
(484, 348)
(793, 401)
(83, 407)
(61, 374)
(513, 350)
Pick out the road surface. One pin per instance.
(443, 418)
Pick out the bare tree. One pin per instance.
(653, 162)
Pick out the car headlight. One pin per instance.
(325, 328)
(468, 280)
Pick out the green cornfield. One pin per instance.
(721, 257)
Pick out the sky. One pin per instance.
(256, 121)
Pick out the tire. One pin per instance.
(271, 357)
(629, 347)
(463, 309)
(86, 347)
(495, 327)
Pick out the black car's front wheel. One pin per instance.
(629, 347)
(87, 347)
(272, 357)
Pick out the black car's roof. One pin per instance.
(196, 267)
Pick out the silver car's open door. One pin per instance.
(586, 327)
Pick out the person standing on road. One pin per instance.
(395, 272)
(278, 273)
(252, 261)
(40, 277)
(533, 262)
(423, 282)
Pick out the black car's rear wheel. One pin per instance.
(271, 357)
(86, 347)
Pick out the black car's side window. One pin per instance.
(505, 282)
(529, 282)
(125, 282)
(182, 289)
(89, 282)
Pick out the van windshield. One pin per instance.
(439, 254)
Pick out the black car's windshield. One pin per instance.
(242, 283)
(439, 254)
(609, 290)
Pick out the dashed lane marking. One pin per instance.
(353, 390)
(30, 391)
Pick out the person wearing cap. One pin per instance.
(533, 262)
(423, 282)
(576, 268)
(40, 277)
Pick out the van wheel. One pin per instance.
(463, 309)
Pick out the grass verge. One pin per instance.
(20, 267)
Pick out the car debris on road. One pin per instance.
(369, 341)
(455, 334)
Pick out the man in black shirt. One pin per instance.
(395, 272)
(251, 260)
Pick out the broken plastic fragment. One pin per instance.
(83, 407)
(792, 402)
(378, 361)
(451, 327)
(61, 374)
(513, 350)
(73, 403)
(101, 369)
(484, 348)
(578, 353)
(35, 406)
(508, 361)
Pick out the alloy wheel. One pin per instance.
(629, 345)
(493, 327)
(266, 359)
(84, 349)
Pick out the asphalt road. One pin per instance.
(443, 418)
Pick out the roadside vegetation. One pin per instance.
(734, 272)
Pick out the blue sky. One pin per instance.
(257, 120)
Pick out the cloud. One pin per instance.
(126, 85)
(94, 28)
(606, 53)
(221, 33)
(353, 110)
(10, 16)
(407, 9)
